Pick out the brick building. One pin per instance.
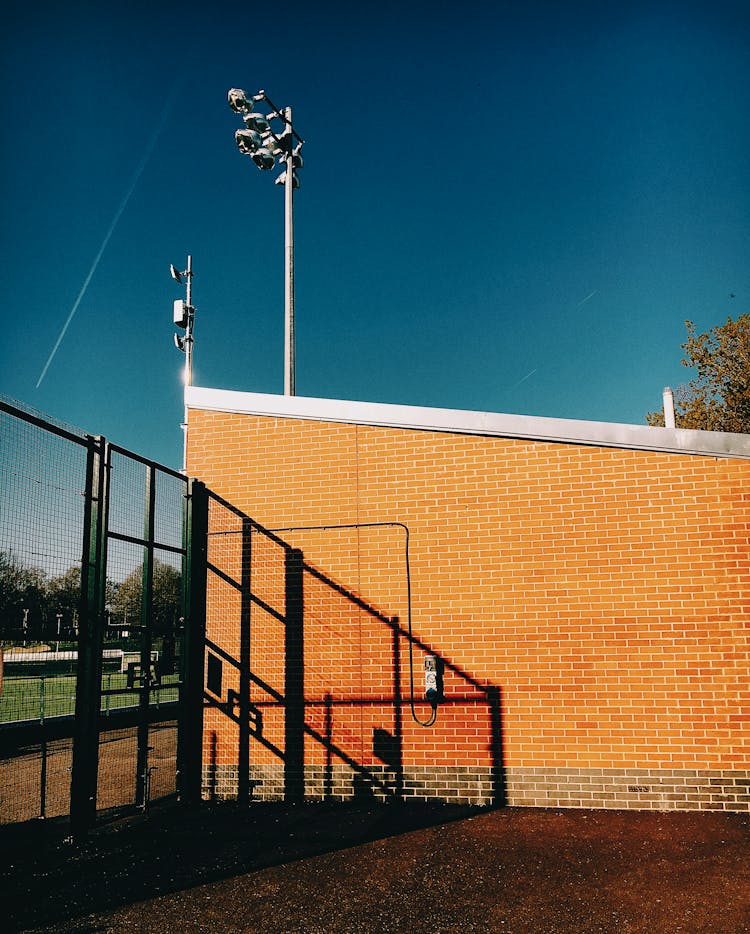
(585, 588)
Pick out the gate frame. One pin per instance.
(86, 740)
(85, 764)
(192, 657)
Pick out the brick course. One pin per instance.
(602, 593)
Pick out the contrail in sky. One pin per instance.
(524, 378)
(118, 214)
(587, 298)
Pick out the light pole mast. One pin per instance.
(290, 363)
(189, 323)
(265, 145)
(184, 318)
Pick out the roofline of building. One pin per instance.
(461, 421)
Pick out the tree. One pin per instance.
(718, 398)
(64, 595)
(166, 598)
(23, 599)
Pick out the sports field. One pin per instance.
(38, 698)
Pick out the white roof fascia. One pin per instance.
(460, 421)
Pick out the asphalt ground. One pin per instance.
(382, 868)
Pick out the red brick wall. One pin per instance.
(604, 592)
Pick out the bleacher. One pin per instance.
(47, 663)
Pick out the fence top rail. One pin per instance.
(27, 414)
(55, 426)
(146, 461)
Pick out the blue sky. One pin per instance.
(509, 207)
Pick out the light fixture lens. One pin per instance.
(238, 101)
(264, 159)
(257, 122)
(248, 141)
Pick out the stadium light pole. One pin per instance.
(260, 141)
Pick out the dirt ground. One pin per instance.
(361, 868)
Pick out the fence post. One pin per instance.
(91, 615)
(190, 725)
(147, 617)
(43, 776)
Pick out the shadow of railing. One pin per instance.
(286, 693)
(174, 849)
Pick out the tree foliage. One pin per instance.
(30, 600)
(64, 592)
(718, 397)
(166, 597)
(23, 594)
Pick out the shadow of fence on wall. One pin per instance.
(310, 690)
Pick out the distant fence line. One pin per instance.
(48, 660)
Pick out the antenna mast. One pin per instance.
(184, 318)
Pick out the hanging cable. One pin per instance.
(376, 525)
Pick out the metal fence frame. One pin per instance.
(92, 622)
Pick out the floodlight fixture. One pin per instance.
(264, 159)
(248, 141)
(238, 101)
(257, 122)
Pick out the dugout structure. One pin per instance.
(585, 587)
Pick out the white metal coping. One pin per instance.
(460, 421)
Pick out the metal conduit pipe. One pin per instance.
(668, 398)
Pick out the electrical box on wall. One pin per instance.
(433, 679)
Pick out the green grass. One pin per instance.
(54, 696)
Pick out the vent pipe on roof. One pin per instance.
(668, 407)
